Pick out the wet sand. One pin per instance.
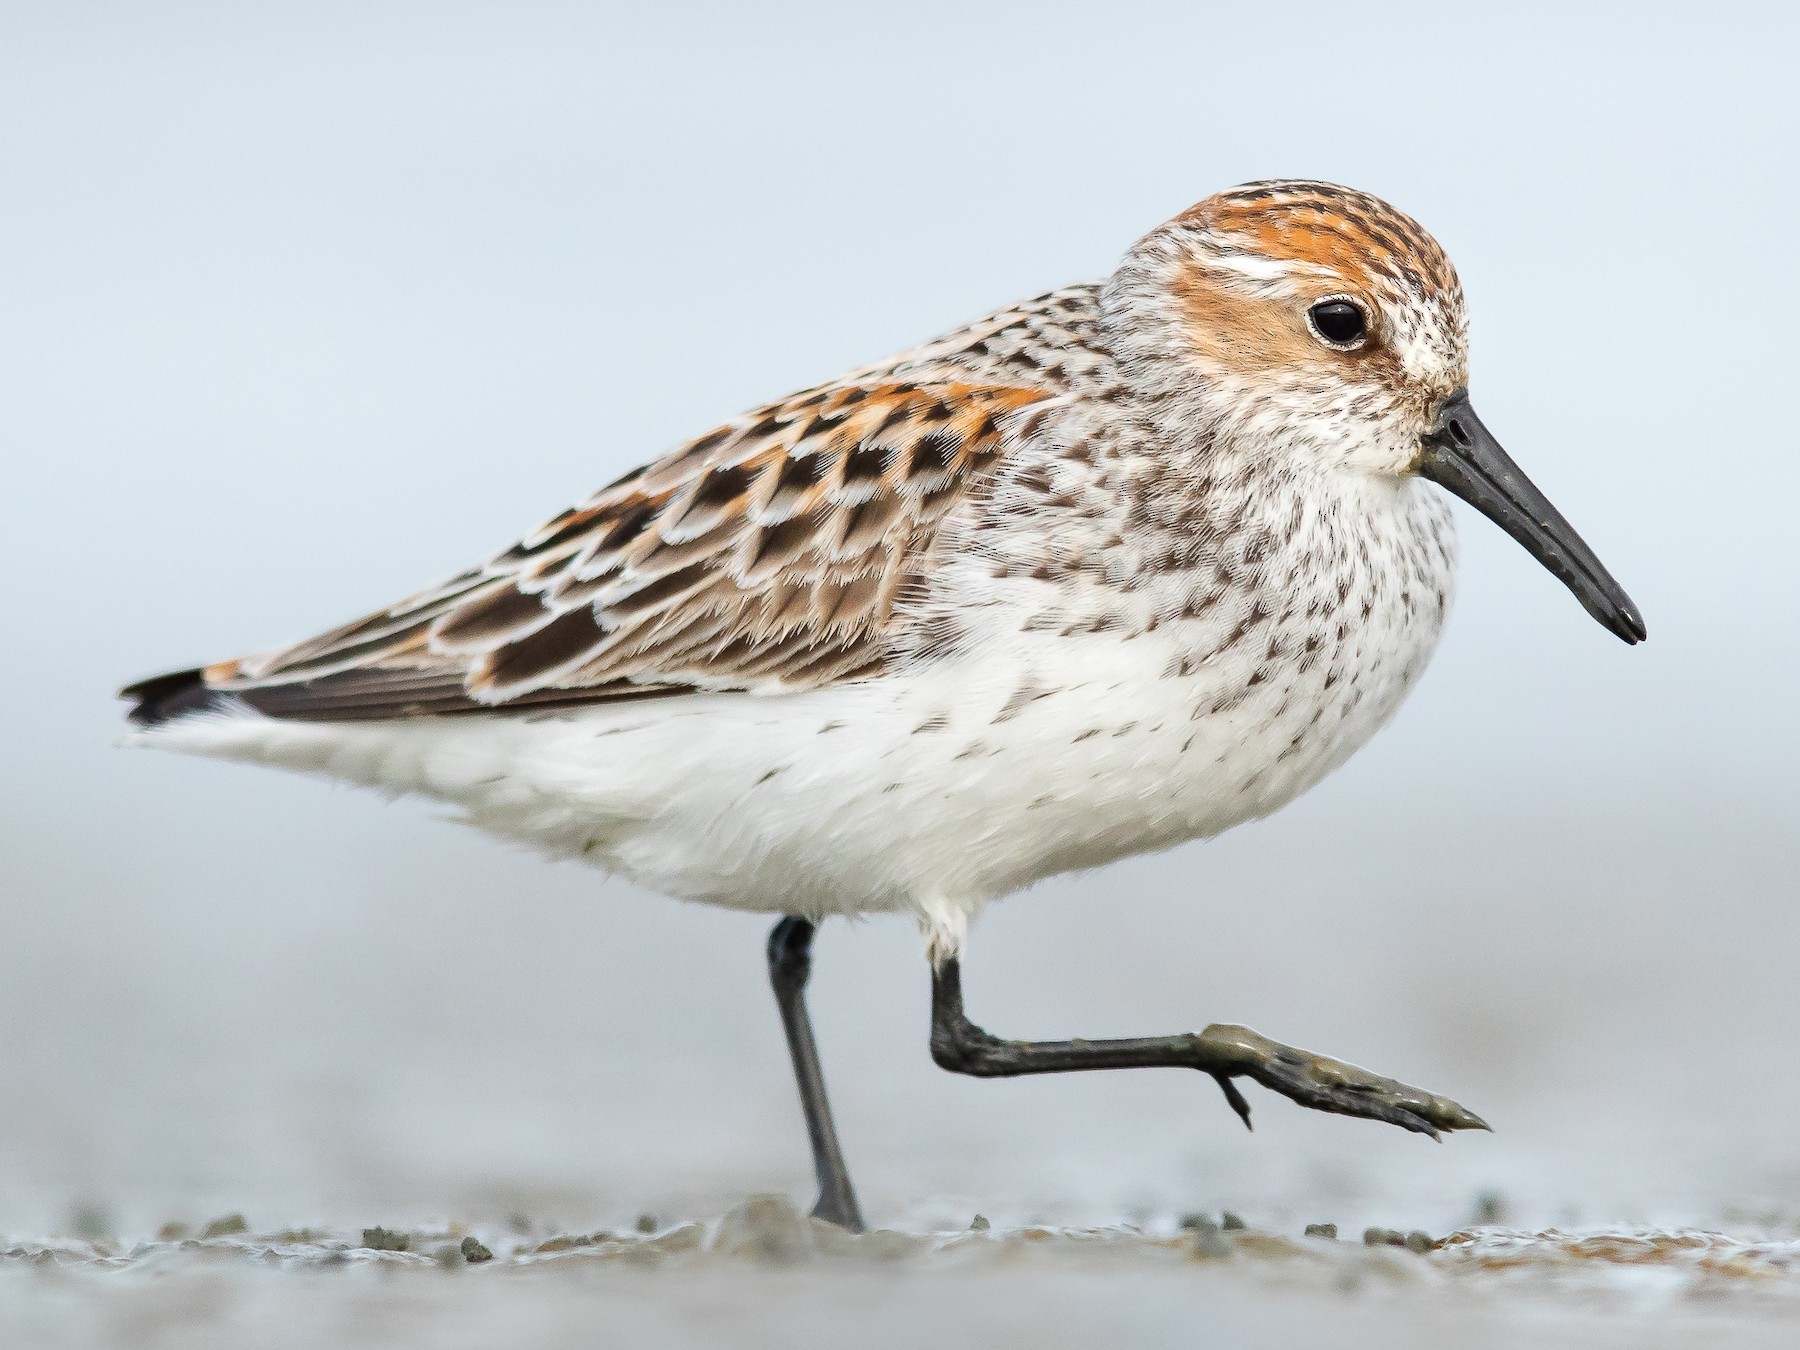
(765, 1274)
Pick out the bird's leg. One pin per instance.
(790, 963)
(1225, 1052)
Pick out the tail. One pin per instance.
(167, 697)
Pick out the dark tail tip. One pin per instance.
(167, 697)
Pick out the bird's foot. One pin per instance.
(838, 1205)
(1323, 1084)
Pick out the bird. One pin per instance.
(1107, 570)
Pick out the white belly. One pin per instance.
(934, 791)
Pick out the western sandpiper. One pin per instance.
(1117, 567)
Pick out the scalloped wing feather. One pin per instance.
(766, 555)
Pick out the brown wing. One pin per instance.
(766, 555)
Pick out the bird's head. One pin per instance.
(1320, 325)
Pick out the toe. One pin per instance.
(1326, 1084)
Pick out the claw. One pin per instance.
(1234, 1099)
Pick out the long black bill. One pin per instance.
(1464, 457)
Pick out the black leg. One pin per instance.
(790, 963)
(1225, 1052)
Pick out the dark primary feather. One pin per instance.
(163, 698)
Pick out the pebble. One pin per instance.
(1417, 1241)
(379, 1239)
(1322, 1230)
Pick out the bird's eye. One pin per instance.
(1338, 322)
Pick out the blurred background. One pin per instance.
(302, 307)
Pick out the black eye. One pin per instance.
(1340, 322)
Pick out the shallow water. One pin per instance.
(765, 1274)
